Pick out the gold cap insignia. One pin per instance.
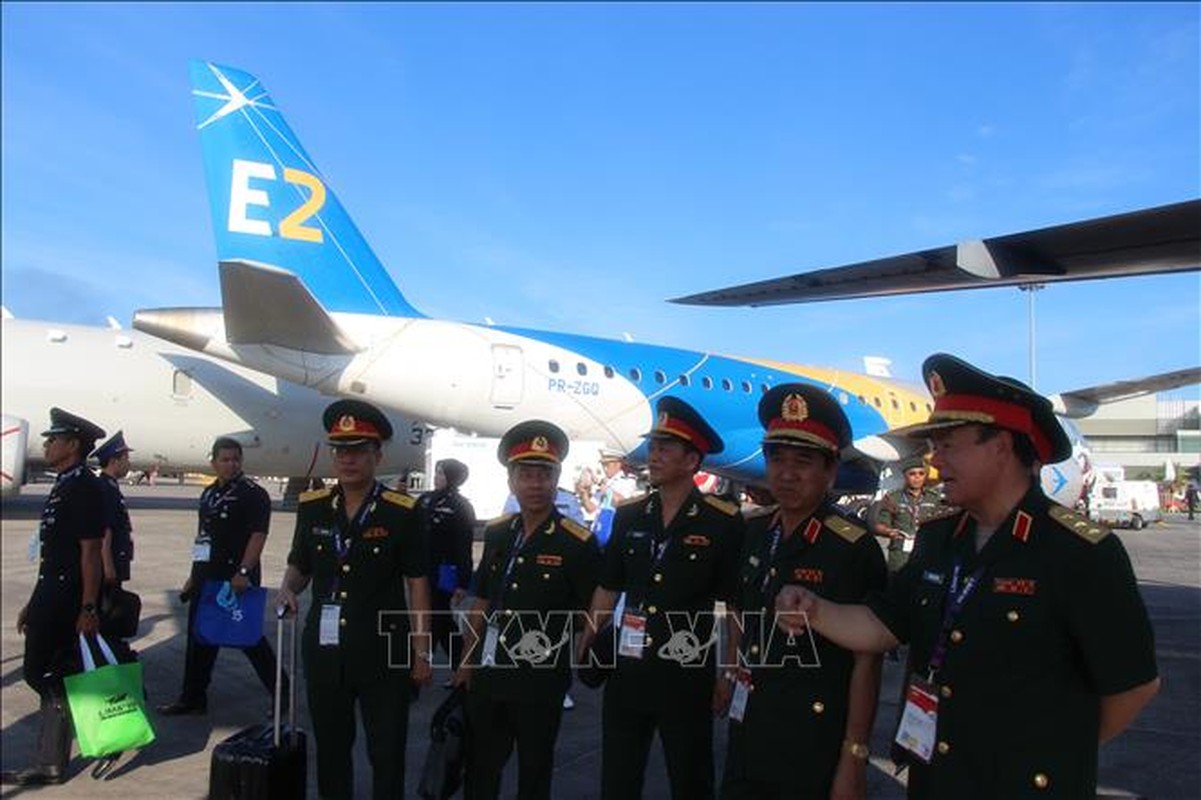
(539, 444)
(346, 423)
(794, 408)
(937, 387)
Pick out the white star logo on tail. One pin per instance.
(235, 98)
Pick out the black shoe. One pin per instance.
(32, 776)
(181, 707)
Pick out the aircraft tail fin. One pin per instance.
(271, 205)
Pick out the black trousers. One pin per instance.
(199, 660)
(50, 644)
(680, 710)
(443, 628)
(384, 705)
(495, 726)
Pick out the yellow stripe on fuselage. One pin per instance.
(910, 406)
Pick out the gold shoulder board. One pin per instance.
(844, 528)
(1083, 527)
(724, 506)
(576, 529)
(761, 511)
(398, 499)
(314, 494)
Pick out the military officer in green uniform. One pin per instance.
(670, 556)
(1029, 642)
(360, 546)
(904, 509)
(802, 708)
(538, 571)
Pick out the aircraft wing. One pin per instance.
(1144, 242)
(1083, 402)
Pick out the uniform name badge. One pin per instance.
(331, 624)
(633, 635)
(742, 694)
(919, 721)
(488, 655)
(907, 544)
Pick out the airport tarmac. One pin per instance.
(1156, 758)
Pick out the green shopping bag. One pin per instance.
(107, 704)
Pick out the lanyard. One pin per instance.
(776, 534)
(342, 545)
(957, 596)
(520, 540)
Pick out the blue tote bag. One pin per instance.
(227, 619)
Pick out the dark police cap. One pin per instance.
(675, 419)
(67, 424)
(965, 395)
(599, 660)
(803, 415)
(114, 447)
(534, 441)
(913, 462)
(353, 422)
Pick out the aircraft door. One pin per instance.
(507, 375)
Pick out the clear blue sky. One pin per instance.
(571, 166)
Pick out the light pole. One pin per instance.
(1030, 289)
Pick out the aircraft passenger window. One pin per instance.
(181, 384)
(608, 371)
(764, 387)
(912, 406)
(707, 382)
(635, 375)
(843, 398)
(928, 408)
(895, 404)
(553, 365)
(684, 380)
(876, 402)
(659, 376)
(581, 368)
(862, 399)
(746, 386)
(727, 384)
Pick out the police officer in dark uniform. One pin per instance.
(539, 568)
(235, 514)
(802, 708)
(448, 521)
(65, 597)
(117, 552)
(1029, 642)
(361, 546)
(670, 556)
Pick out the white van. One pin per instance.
(1125, 503)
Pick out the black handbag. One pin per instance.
(120, 612)
(445, 760)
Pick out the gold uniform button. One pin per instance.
(818, 707)
(520, 559)
(342, 622)
(956, 637)
(1041, 781)
(346, 568)
(924, 601)
(508, 612)
(1013, 616)
(754, 649)
(342, 595)
(375, 550)
(773, 571)
(652, 610)
(501, 637)
(658, 577)
(945, 691)
(546, 576)
(692, 556)
(513, 585)
(943, 748)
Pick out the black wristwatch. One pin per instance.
(89, 609)
(244, 571)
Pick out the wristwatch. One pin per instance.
(244, 571)
(89, 609)
(856, 749)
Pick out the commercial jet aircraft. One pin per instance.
(305, 298)
(170, 401)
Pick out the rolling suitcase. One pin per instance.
(264, 761)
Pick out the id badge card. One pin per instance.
(330, 629)
(488, 655)
(907, 544)
(919, 721)
(633, 635)
(201, 551)
(35, 546)
(742, 694)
